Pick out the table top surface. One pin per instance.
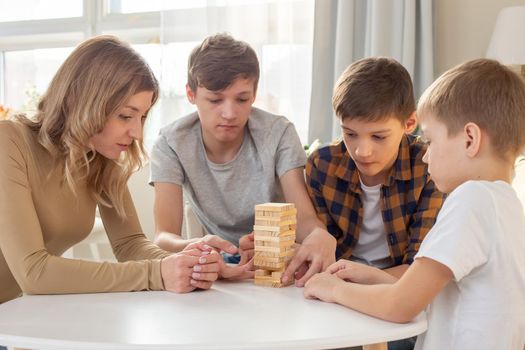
(232, 315)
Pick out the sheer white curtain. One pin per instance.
(347, 30)
(281, 32)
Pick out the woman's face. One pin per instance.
(124, 127)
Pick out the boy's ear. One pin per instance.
(411, 123)
(190, 94)
(472, 134)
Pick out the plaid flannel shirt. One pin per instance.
(409, 200)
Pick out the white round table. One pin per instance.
(232, 315)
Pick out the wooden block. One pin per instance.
(271, 262)
(259, 273)
(270, 259)
(274, 244)
(277, 274)
(272, 266)
(272, 281)
(274, 223)
(276, 240)
(273, 255)
(260, 234)
(276, 218)
(276, 229)
(277, 214)
(272, 284)
(275, 250)
(266, 233)
(275, 207)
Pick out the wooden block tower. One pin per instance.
(274, 235)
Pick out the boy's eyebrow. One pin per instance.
(373, 132)
(220, 93)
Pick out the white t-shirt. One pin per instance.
(371, 245)
(223, 196)
(518, 183)
(480, 236)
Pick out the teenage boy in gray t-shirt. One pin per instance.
(229, 156)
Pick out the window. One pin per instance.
(24, 10)
(135, 6)
(34, 43)
(28, 72)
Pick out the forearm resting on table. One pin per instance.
(401, 301)
(380, 300)
(396, 271)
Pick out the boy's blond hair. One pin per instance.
(372, 89)
(486, 93)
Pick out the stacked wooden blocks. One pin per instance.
(274, 232)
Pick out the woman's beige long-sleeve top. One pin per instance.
(40, 218)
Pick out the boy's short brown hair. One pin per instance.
(374, 88)
(486, 93)
(219, 60)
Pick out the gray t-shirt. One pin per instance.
(223, 196)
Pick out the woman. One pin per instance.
(76, 154)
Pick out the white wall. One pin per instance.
(463, 29)
(143, 196)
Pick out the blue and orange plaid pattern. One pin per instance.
(410, 201)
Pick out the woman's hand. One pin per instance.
(190, 269)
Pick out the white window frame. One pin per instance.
(166, 26)
(63, 32)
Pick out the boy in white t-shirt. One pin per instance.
(471, 265)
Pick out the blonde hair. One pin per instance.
(486, 93)
(99, 76)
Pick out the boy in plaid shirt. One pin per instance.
(372, 189)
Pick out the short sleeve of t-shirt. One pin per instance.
(165, 164)
(461, 237)
(290, 153)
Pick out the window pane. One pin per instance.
(285, 83)
(22, 10)
(134, 6)
(281, 32)
(28, 74)
(169, 63)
